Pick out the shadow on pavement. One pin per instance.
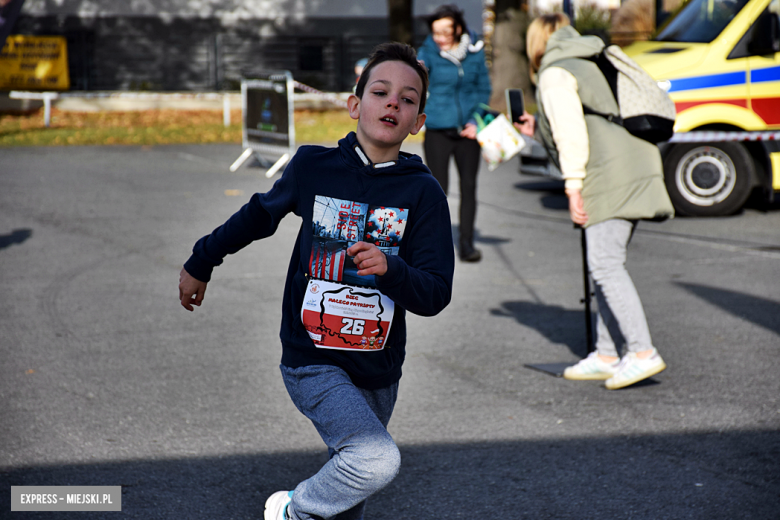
(550, 185)
(490, 240)
(18, 236)
(760, 311)
(554, 199)
(559, 202)
(703, 475)
(479, 237)
(561, 326)
(759, 202)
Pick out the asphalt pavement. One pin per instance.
(106, 380)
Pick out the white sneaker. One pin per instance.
(591, 368)
(633, 369)
(276, 506)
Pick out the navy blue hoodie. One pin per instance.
(415, 234)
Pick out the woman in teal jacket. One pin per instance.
(459, 84)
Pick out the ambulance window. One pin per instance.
(700, 21)
(756, 39)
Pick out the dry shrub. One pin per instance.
(635, 20)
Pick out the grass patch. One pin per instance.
(158, 127)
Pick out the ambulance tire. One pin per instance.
(708, 179)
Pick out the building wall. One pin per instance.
(211, 44)
(182, 54)
(233, 10)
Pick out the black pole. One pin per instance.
(659, 13)
(9, 12)
(586, 299)
(568, 10)
(556, 369)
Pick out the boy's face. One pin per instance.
(387, 113)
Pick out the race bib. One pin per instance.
(343, 317)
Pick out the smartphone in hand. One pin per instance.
(514, 104)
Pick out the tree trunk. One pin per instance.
(400, 21)
(509, 61)
(9, 12)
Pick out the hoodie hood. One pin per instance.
(354, 156)
(566, 42)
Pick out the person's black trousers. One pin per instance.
(439, 146)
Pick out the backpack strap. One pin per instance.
(609, 117)
(609, 71)
(611, 75)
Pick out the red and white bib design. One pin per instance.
(342, 317)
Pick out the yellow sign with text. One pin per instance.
(34, 63)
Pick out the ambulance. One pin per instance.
(719, 60)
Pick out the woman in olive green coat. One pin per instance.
(612, 180)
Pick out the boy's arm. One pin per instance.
(257, 219)
(422, 282)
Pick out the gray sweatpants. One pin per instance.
(620, 311)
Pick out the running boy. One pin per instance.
(375, 242)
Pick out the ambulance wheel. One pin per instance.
(708, 179)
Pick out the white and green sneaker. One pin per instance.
(591, 368)
(633, 369)
(276, 506)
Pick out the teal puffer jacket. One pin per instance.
(457, 88)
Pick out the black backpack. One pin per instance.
(646, 110)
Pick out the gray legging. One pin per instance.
(439, 146)
(619, 305)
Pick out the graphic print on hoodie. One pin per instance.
(338, 224)
(351, 314)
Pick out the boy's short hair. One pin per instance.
(394, 52)
(539, 31)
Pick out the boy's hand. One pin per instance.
(368, 259)
(191, 290)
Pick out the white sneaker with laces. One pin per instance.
(276, 506)
(591, 368)
(632, 369)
